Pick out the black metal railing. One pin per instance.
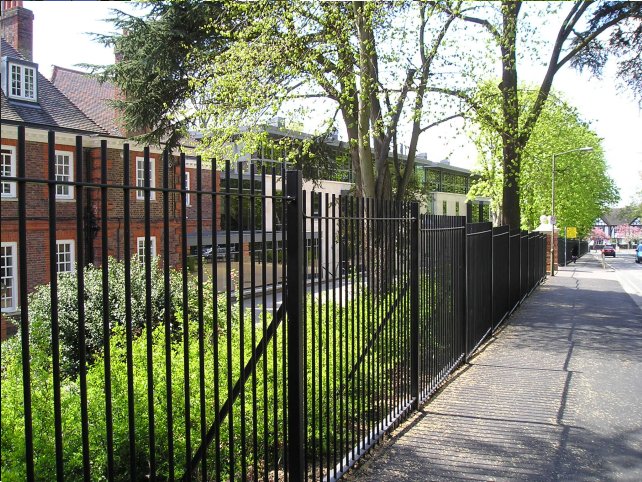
(327, 321)
(568, 248)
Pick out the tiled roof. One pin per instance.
(90, 96)
(53, 109)
(615, 217)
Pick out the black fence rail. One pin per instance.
(479, 279)
(235, 328)
(127, 364)
(442, 294)
(567, 248)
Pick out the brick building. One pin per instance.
(50, 116)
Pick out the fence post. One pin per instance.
(414, 303)
(465, 288)
(295, 295)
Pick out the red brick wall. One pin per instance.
(17, 28)
(38, 210)
(548, 253)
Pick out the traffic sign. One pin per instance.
(571, 232)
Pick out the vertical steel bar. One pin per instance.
(215, 319)
(368, 325)
(239, 291)
(414, 303)
(313, 327)
(264, 310)
(24, 311)
(388, 287)
(323, 248)
(128, 313)
(106, 308)
(80, 230)
(275, 395)
(167, 318)
(465, 319)
(228, 327)
(148, 314)
(284, 342)
(334, 330)
(359, 321)
(295, 308)
(284, 354)
(318, 246)
(308, 380)
(342, 274)
(55, 327)
(201, 322)
(253, 256)
(186, 334)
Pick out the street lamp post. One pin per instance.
(553, 220)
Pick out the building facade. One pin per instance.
(59, 135)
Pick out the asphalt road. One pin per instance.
(626, 271)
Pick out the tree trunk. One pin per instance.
(366, 84)
(510, 112)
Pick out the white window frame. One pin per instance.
(11, 173)
(188, 199)
(140, 178)
(22, 86)
(140, 247)
(72, 256)
(69, 177)
(14, 277)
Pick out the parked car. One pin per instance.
(638, 254)
(608, 250)
(207, 253)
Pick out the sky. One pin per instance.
(61, 38)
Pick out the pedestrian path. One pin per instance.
(556, 395)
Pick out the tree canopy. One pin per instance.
(513, 38)
(233, 65)
(583, 189)
(624, 42)
(381, 69)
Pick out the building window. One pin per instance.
(8, 277)
(140, 178)
(187, 196)
(140, 243)
(64, 173)
(8, 170)
(445, 208)
(65, 256)
(456, 208)
(22, 82)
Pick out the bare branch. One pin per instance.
(441, 121)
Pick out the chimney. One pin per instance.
(16, 25)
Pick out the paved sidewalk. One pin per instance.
(557, 395)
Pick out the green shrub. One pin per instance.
(322, 337)
(13, 439)
(40, 309)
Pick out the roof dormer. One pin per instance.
(19, 79)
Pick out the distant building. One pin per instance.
(610, 220)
